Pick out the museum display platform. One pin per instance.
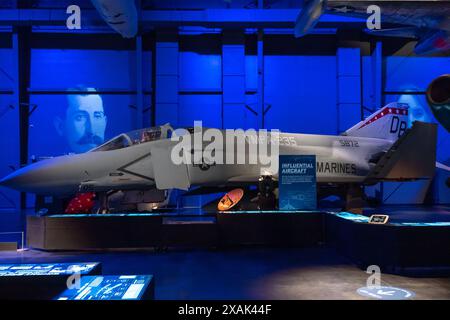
(414, 240)
(400, 246)
(86, 232)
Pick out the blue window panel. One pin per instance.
(349, 63)
(7, 78)
(234, 89)
(237, 116)
(302, 92)
(349, 87)
(167, 58)
(200, 72)
(167, 113)
(413, 73)
(251, 112)
(251, 72)
(46, 140)
(62, 69)
(167, 89)
(349, 115)
(205, 108)
(9, 146)
(233, 59)
(368, 99)
(147, 61)
(349, 90)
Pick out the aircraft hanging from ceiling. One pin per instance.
(120, 15)
(428, 21)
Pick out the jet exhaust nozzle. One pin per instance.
(309, 16)
(438, 98)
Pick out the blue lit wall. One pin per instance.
(106, 70)
(302, 92)
(9, 128)
(199, 81)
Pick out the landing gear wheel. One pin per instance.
(266, 196)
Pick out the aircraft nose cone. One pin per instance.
(53, 176)
(5, 182)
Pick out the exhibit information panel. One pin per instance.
(297, 182)
(54, 269)
(125, 287)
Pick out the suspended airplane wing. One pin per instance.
(120, 15)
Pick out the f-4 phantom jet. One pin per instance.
(379, 148)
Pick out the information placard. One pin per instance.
(297, 182)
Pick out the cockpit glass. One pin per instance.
(131, 138)
(118, 142)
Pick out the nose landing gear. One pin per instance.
(266, 196)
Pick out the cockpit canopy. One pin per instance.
(139, 136)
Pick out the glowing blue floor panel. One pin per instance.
(53, 269)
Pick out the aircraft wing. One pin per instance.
(430, 14)
(167, 174)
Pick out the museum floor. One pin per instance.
(251, 273)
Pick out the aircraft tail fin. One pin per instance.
(387, 123)
(412, 156)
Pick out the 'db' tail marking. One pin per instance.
(389, 123)
(384, 112)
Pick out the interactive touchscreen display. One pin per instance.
(129, 287)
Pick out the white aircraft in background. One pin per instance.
(120, 15)
(428, 21)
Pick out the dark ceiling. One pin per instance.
(157, 4)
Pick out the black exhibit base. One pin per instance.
(394, 247)
(124, 231)
(400, 249)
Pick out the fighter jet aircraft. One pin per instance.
(378, 148)
(428, 21)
